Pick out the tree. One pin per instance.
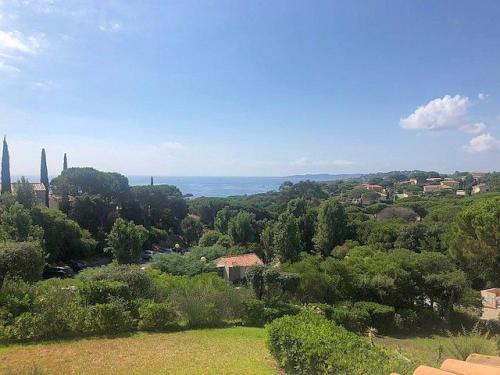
(267, 242)
(207, 208)
(241, 228)
(17, 225)
(6, 183)
(63, 237)
(475, 243)
(126, 240)
(25, 194)
(332, 226)
(65, 162)
(21, 259)
(192, 229)
(222, 219)
(306, 217)
(44, 176)
(209, 238)
(152, 182)
(287, 238)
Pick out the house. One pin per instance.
(376, 188)
(491, 298)
(433, 180)
(38, 187)
(450, 183)
(481, 188)
(435, 188)
(477, 175)
(234, 267)
(461, 193)
(413, 181)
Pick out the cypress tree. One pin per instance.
(6, 188)
(65, 162)
(44, 176)
(152, 181)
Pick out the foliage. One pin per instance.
(222, 218)
(287, 238)
(332, 226)
(309, 344)
(192, 229)
(17, 225)
(126, 240)
(63, 238)
(241, 228)
(25, 194)
(475, 243)
(156, 316)
(24, 260)
(5, 180)
(468, 342)
(207, 208)
(209, 238)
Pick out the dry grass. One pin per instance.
(210, 351)
(433, 350)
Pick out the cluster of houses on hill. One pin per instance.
(427, 186)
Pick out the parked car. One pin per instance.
(62, 272)
(77, 266)
(148, 255)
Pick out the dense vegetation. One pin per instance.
(344, 260)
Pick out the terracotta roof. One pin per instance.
(37, 186)
(475, 364)
(244, 260)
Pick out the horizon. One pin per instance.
(236, 89)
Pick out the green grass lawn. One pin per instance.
(237, 350)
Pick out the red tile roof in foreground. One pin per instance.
(475, 364)
(244, 260)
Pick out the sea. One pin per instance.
(222, 186)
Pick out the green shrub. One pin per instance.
(470, 341)
(253, 313)
(156, 316)
(279, 310)
(209, 237)
(353, 319)
(23, 260)
(109, 318)
(381, 316)
(140, 283)
(101, 291)
(406, 320)
(308, 343)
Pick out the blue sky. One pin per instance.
(251, 87)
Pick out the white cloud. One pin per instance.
(44, 85)
(483, 143)
(440, 113)
(4, 67)
(482, 96)
(111, 27)
(476, 128)
(14, 41)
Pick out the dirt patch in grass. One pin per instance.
(236, 350)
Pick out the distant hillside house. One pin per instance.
(450, 183)
(234, 268)
(477, 175)
(38, 187)
(481, 188)
(435, 188)
(375, 188)
(413, 181)
(433, 179)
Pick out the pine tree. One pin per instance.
(65, 162)
(6, 187)
(44, 176)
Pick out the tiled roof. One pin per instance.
(37, 186)
(475, 364)
(244, 260)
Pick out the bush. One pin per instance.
(209, 238)
(406, 320)
(280, 310)
(352, 319)
(468, 342)
(381, 316)
(23, 260)
(101, 291)
(253, 313)
(140, 284)
(109, 318)
(308, 343)
(156, 316)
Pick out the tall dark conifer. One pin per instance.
(152, 183)
(6, 187)
(44, 176)
(65, 162)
